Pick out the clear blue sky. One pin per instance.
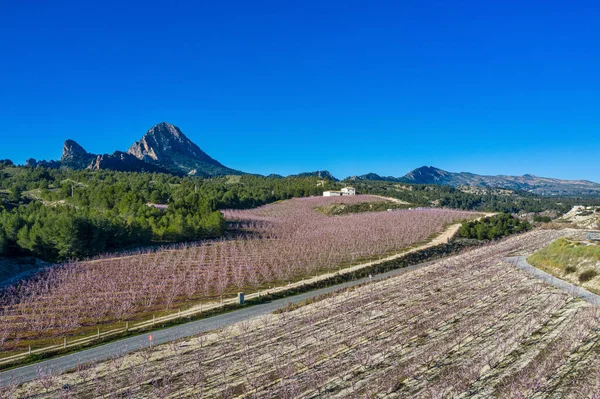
(493, 87)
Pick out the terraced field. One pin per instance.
(470, 326)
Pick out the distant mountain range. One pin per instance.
(164, 148)
(530, 183)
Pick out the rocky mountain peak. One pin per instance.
(73, 151)
(165, 145)
(167, 129)
(75, 156)
(162, 141)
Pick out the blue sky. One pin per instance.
(490, 87)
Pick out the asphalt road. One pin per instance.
(131, 344)
(521, 263)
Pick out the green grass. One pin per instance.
(563, 253)
(571, 260)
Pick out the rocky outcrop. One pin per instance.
(124, 162)
(75, 156)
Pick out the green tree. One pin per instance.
(14, 195)
(156, 197)
(3, 244)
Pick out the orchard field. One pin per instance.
(271, 245)
(469, 326)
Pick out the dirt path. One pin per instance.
(395, 200)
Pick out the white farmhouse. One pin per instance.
(345, 191)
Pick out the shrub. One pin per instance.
(542, 219)
(494, 227)
(587, 275)
(570, 269)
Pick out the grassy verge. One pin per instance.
(575, 261)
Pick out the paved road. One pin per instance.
(521, 263)
(127, 345)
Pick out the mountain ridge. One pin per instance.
(526, 182)
(162, 149)
(374, 177)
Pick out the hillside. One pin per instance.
(321, 174)
(587, 217)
